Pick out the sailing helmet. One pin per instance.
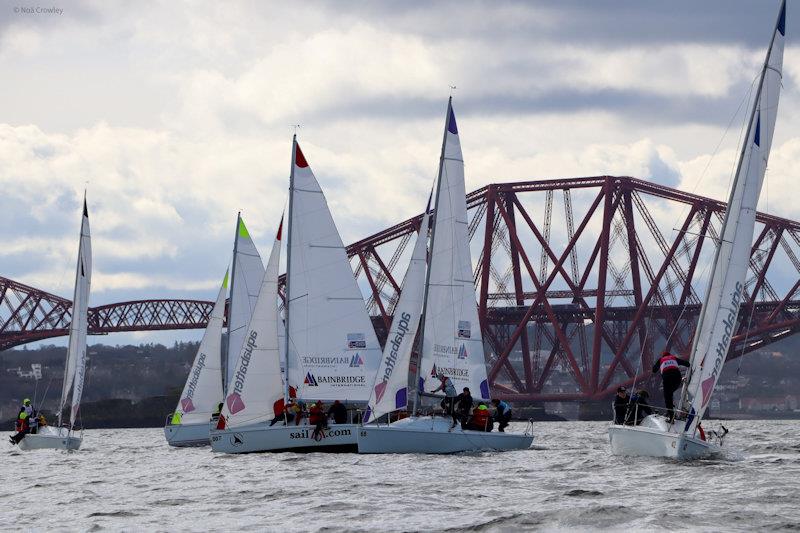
(26, 401)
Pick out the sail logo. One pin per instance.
(356, 361)
(724, 343)
(186, 403)
(335, 381)
(464, 329)
(234, 400)
(356, 341)
(434, 372)
(391, 360)
(462, 352)
(310, 380)
(380, 389)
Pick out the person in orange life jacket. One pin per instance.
(339, 412)
(503, 414)
(317, 418)
(669, 366)
(481, 419)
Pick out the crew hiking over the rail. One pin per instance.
(669, 366)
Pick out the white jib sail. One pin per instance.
(203, 388)
(257, 385)
(452, 341)
(248, 271)
(718, 319)
(76, 351)
(333, 350)
(390, 390)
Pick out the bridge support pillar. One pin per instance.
(595, 410)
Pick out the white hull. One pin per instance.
(182, 435)
(655, 437)
(278, 438)
(53, 438)
(433, 435)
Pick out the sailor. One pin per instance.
(669, 366)
(638, 408)
(448, 403)
(216, 413)
(338, 412)
(22, 425)
(317, 418)
(503, 414)
(463, 406)
(621, 401)
(481, 418)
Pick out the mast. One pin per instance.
(421, 335)
(746, 145)
(227, 354)
(289, 227)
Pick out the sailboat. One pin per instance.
(62, 436)
(442, 301)
(213, 366)
(331, 351)
(683, 438)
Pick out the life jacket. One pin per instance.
(668, 363)
(315, 415)
(480, 417)
(176, 419)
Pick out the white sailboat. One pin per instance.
(213, 366)
(189, 424)
(332, 351)
(683, 439)
(444, 303)
(63, 436)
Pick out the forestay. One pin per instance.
(203, 389)
(333, 350)
(452, 341)
(390, 390)
(726, 285)
(75, 369)
(256, 385)
(248, 271)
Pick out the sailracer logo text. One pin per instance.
(391, 359)
(187, 403)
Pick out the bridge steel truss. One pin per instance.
(580, 282)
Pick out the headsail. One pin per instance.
(726, 292)
(248, 271)
(256, 384)
(333, 350)
(390, 390)
(75, 370)
(203, 388)
(452, 340)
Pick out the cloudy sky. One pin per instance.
(178, 115)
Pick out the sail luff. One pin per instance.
(726, 292)
(288, 297)
(224, 356)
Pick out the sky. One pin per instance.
(176, 115)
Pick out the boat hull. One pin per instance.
(52, 438)
(656, 438)
(262, 438)
(185, 435)
(433, 435)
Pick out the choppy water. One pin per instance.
(130, 479)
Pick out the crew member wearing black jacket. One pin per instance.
(621, 401)
(463, 407)
(669, 366)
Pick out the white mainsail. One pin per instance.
(256, 385)
(390, 391)
(75, 370)
(452, 340)
(719, 315)
(203, 389)
(333, 350)
(248, 271)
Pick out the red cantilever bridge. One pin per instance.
(580, 282)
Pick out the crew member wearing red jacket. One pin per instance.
(669, 367)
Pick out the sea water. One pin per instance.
(130, 479)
